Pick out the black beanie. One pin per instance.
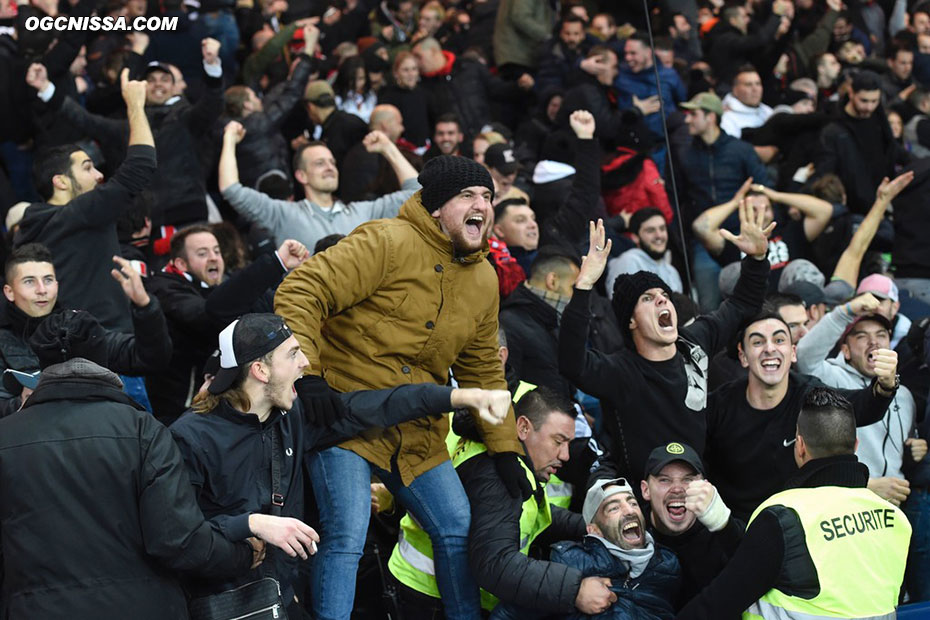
(445, 176)
(68, 334)
(627, 289)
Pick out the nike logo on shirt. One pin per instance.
(787, 443)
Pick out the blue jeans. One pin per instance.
(706, 272)
(917, 576)
(435, 499)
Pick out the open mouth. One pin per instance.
(676, 510)
(771, 364)
(473, 224)
(213, 272)
(665, 320)
(632, 532)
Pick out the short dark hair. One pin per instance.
(51, 162)
(572, 18)
(776, 301)
(729, 12)
(297, 162)
(26, 253)
(866, 80)
(828, 187)
(235, 98)
(324, 243)
(501, 208)
(898, 45)
(639, 218)
(536, 405)
(179, 239)
(448, 117)
(601, 50)
(762, 315)
(827, 423)
(745, 68)
(641, 37)
(553, 258)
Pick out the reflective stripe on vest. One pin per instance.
(858, 543)
(411, 561)
(558, 493)
(764, 609)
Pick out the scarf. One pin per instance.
(636, 560)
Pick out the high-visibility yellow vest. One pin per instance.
(858, 543)
(412, 559)
(559, 492)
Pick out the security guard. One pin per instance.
(502, 529)
(827, 547)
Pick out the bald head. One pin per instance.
(388, 119)
(428, 53)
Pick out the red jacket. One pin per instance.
(646, 190)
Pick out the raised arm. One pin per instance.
(571, 219)
(200, 117)
(816, 345)
(816, 211)
(378, 142)
(707, 225)
(847, 269)
(233, 134)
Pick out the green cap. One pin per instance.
(705, 101)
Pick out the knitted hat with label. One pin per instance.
(627, 289)
(445, 176)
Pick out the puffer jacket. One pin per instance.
(647, 597)
(390, 305)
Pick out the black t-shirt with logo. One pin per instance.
(749, 452)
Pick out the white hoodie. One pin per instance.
(739, 116)
(881, 445)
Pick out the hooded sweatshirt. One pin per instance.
(739, 116)
(881, 445)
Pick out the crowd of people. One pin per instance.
(502, 309)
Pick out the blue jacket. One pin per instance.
(643, 84)
(715, 172)
(648, 597)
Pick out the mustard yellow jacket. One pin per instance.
(390, 305)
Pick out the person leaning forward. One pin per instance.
(401, 301)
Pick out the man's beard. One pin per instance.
(656, 256)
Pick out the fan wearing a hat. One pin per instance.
(250, 420)
(863, 334)
(656, 388)
(687, 515)
(643, 577)
(402, 301)
(501, 162)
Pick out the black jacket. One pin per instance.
(147, 350)
(82, 238)
(532, 328)
(773, 551)
(414, 107)
(494, 539)
(912, 226)
(264, 148)
(729, 49)
(466, 90)
(196, 315)
(342, 131)
(229, 455)
(96, 510)
(859, 158)
(179, 186)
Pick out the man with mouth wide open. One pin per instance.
(402, 301)
(655, 391)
